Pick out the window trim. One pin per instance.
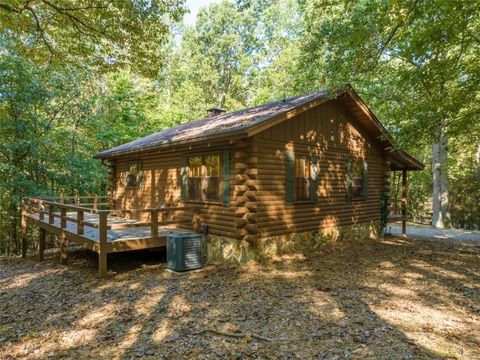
(295, 181)
(204, 200)
(349, 178)
(139, 176)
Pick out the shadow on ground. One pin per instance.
(389, 299)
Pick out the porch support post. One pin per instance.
(63, 236)
(80, 228)
(404, 202)
(154, 224)
(102, 237)
(385, 211)
(41, 244)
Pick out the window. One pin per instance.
(203, 177)
(302, 179)
(133, 178)
(356, 178)
(301, 183)
(194, 177)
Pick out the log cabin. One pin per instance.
(282, 176)
(290, 175)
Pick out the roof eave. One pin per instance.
(228, 135)
(404, 161)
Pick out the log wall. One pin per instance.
(161, 184)
(258, 206)
(332, 133)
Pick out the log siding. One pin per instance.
(162, 183)
(258, 206)
(330, 133)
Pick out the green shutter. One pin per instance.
(348, 172)
(314, 174)
(139, 174)
(183, 178)
(290, 174)
(226, 177)
(365, 179)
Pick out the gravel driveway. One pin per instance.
(428, 232)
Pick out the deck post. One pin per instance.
(41, 244)
(80, 229)
(95, 202)
(63, 247)
(51, 217)
(404, 203)
(154, 224)
(63, 218)
(63, 236)
(41, 211)
(102, 237)
(23, 231)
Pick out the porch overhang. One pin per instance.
(400, 160)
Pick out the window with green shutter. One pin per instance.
(290, 175)
(183, 178)
(133, 178)
(206, 177)
(348, 175)
(356, 179)
(226, 177)
(314, 174)
(301, 177)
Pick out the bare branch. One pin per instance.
(75, 19)
(390, 37)
(40, 30)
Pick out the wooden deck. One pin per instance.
(101, 230)
(128, 238)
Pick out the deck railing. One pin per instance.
(94, 201)
(47, 209)
(396, 207)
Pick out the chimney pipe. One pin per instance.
(215, 111)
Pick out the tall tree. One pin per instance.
(98, 32)
(421, 57)
(34, 104)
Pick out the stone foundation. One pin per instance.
(221, 248)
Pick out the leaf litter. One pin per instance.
(392, 298)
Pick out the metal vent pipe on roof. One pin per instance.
(215, 111)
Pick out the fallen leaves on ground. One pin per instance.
(388, 299)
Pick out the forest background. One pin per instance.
(81, 76)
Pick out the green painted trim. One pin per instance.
(314, 175)
(226, 177)
(290, 175)
(348, 172)
(183, 175)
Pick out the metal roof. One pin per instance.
(244, 122)
(213, 126)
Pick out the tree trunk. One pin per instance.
(441, 216)
(13, 243)
(478, 157)
(445, 204)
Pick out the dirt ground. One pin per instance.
(390, 299)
